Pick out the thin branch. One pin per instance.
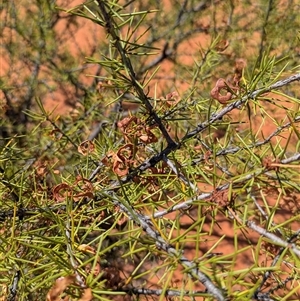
(294, 158)
(207, 195)
(161, 244)
(263, 297)
(21, 212)
(276, 240)
(274, 262)
(110, 27)
(166, 53)
(263, 30)
(202, 126)
(159, 292)
(180, 175)
(218, 116)
(13, 290)
(264, 214)
(233, 150)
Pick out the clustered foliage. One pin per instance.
(173, 172)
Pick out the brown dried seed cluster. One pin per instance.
(228, 87)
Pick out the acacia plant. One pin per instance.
(176, 173)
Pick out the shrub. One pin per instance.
(170, 176)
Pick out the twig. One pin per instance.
(215, 117)
(159, 292)
(263, 30)
(276, 240)
(180, 175)
(203, 196)
(263, 297)
(13, 290)
(233, 150)
(264, 214)
(274, 262)
(163, 245)
(218, 116)
(294, 158)
(110, 27)
(21, 212)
